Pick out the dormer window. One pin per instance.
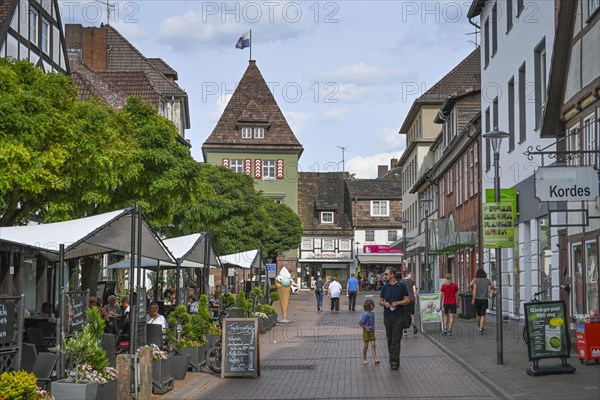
(259, 133)
(327, 217)
(256, 133)
(246, 133)
(380, 208)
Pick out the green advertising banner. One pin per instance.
(498, 225)
(506, 196)
(429, 308)
(547, 330)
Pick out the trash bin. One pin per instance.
(468, 309)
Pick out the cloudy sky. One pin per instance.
(344, 73)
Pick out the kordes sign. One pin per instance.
(566, 183)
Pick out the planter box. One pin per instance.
(273, 319)
(235, 313)
(162, 380)
(197, 356)
(64, 389)
(179, 365)
(107, 391)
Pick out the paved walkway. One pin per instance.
(319, 356)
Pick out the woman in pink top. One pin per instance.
(449, 300)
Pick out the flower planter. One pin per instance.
(66, 389)
(107, 391)
(197, 356)
(161, 370)
(179, 365)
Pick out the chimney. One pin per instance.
(94, 46)
(393, 163)
(381, 170)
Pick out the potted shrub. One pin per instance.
(21, 385)
(179, 328)
(86, 362)
(161, 366)
(256, 295)
(262, 321)
(274, 296)
(194, 342)
(214, 333)
(271, 313)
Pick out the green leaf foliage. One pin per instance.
(18, 385)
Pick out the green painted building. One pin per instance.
(253, 137)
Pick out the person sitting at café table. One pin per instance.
(112, 308)
(94, 303)
(47, 312)
(125, 305)
(167, 297)
(155, 318)
(192, 304)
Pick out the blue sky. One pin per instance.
(344, 73)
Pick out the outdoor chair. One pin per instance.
(44, 367)
(107, 342)
(36, 336)
(28, 356)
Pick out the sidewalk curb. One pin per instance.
(478, 375)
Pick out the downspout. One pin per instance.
(474, 24)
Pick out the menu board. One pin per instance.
(498, 225)
(7, 320)
(547, 328)
(77, 303)
(240, 348)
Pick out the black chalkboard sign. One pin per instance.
(77, 302)
(141, 304)
(7, 320)
(240, 354)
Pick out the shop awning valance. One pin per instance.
(244, 259)
(380, 259)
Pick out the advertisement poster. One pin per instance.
(548, 332)
(498, 225)
(506, 196)
(429, 308)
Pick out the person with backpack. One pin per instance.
(319, 293)
(481, 286)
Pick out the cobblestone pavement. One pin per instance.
(318, 355)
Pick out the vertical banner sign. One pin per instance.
(506, 196)
(547, 328)
(498, 225)
(429, 308)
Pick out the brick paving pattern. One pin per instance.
(319, 356)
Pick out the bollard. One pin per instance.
(123, 376)
(145, 368)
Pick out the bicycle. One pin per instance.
(536, 298)
(213, 355)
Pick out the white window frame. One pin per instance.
(573, 143)
(45, 44)
(33, 26)
(392, 236)
(370, 232)
(345, 244)
(328, 245)
(590, 139)
(236, 165)
(268, 170)
(246, 133)
(307, 244)
(259, 133)
(326, 217)
(376, 208)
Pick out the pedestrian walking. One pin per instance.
(393, 295)
(334, 290)
(367, 322)
(449, 301)
(352, 291)
(319, 293)
(412, 293)
(481, 287)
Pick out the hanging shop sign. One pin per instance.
(566, 183)
(498, 225)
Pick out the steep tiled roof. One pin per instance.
(253, 103)
(133, 83)
(90, 84)
(465, 76)
(374, 189)
(163, 67)
(322, 191)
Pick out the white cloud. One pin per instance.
(298, 121)
(335, 115)
(365, 167)
(347, 93)
(365, 74)
(391, 137)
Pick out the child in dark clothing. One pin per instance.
(367, 322)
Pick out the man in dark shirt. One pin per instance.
(393, 298)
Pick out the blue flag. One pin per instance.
(243, 41)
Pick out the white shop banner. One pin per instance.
(566, 183)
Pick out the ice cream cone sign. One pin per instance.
(284, 279)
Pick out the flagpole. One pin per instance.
(250, 45)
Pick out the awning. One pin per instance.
(455, 241)
(245, 259)
(191, 249)
(380, 259)
(81, 237)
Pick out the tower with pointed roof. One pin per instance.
(253, 137)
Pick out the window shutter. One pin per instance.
(279, 171)
(258, 168)
(226, 163)
(248, 166)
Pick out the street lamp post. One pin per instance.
(404, 222)
(495, 138)
(426, 200)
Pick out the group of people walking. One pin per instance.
(398, 298)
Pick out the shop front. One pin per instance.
(326, 269)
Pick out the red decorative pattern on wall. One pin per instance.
(226, 163)
(248, 166)
(258, 168)
(279, 171)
